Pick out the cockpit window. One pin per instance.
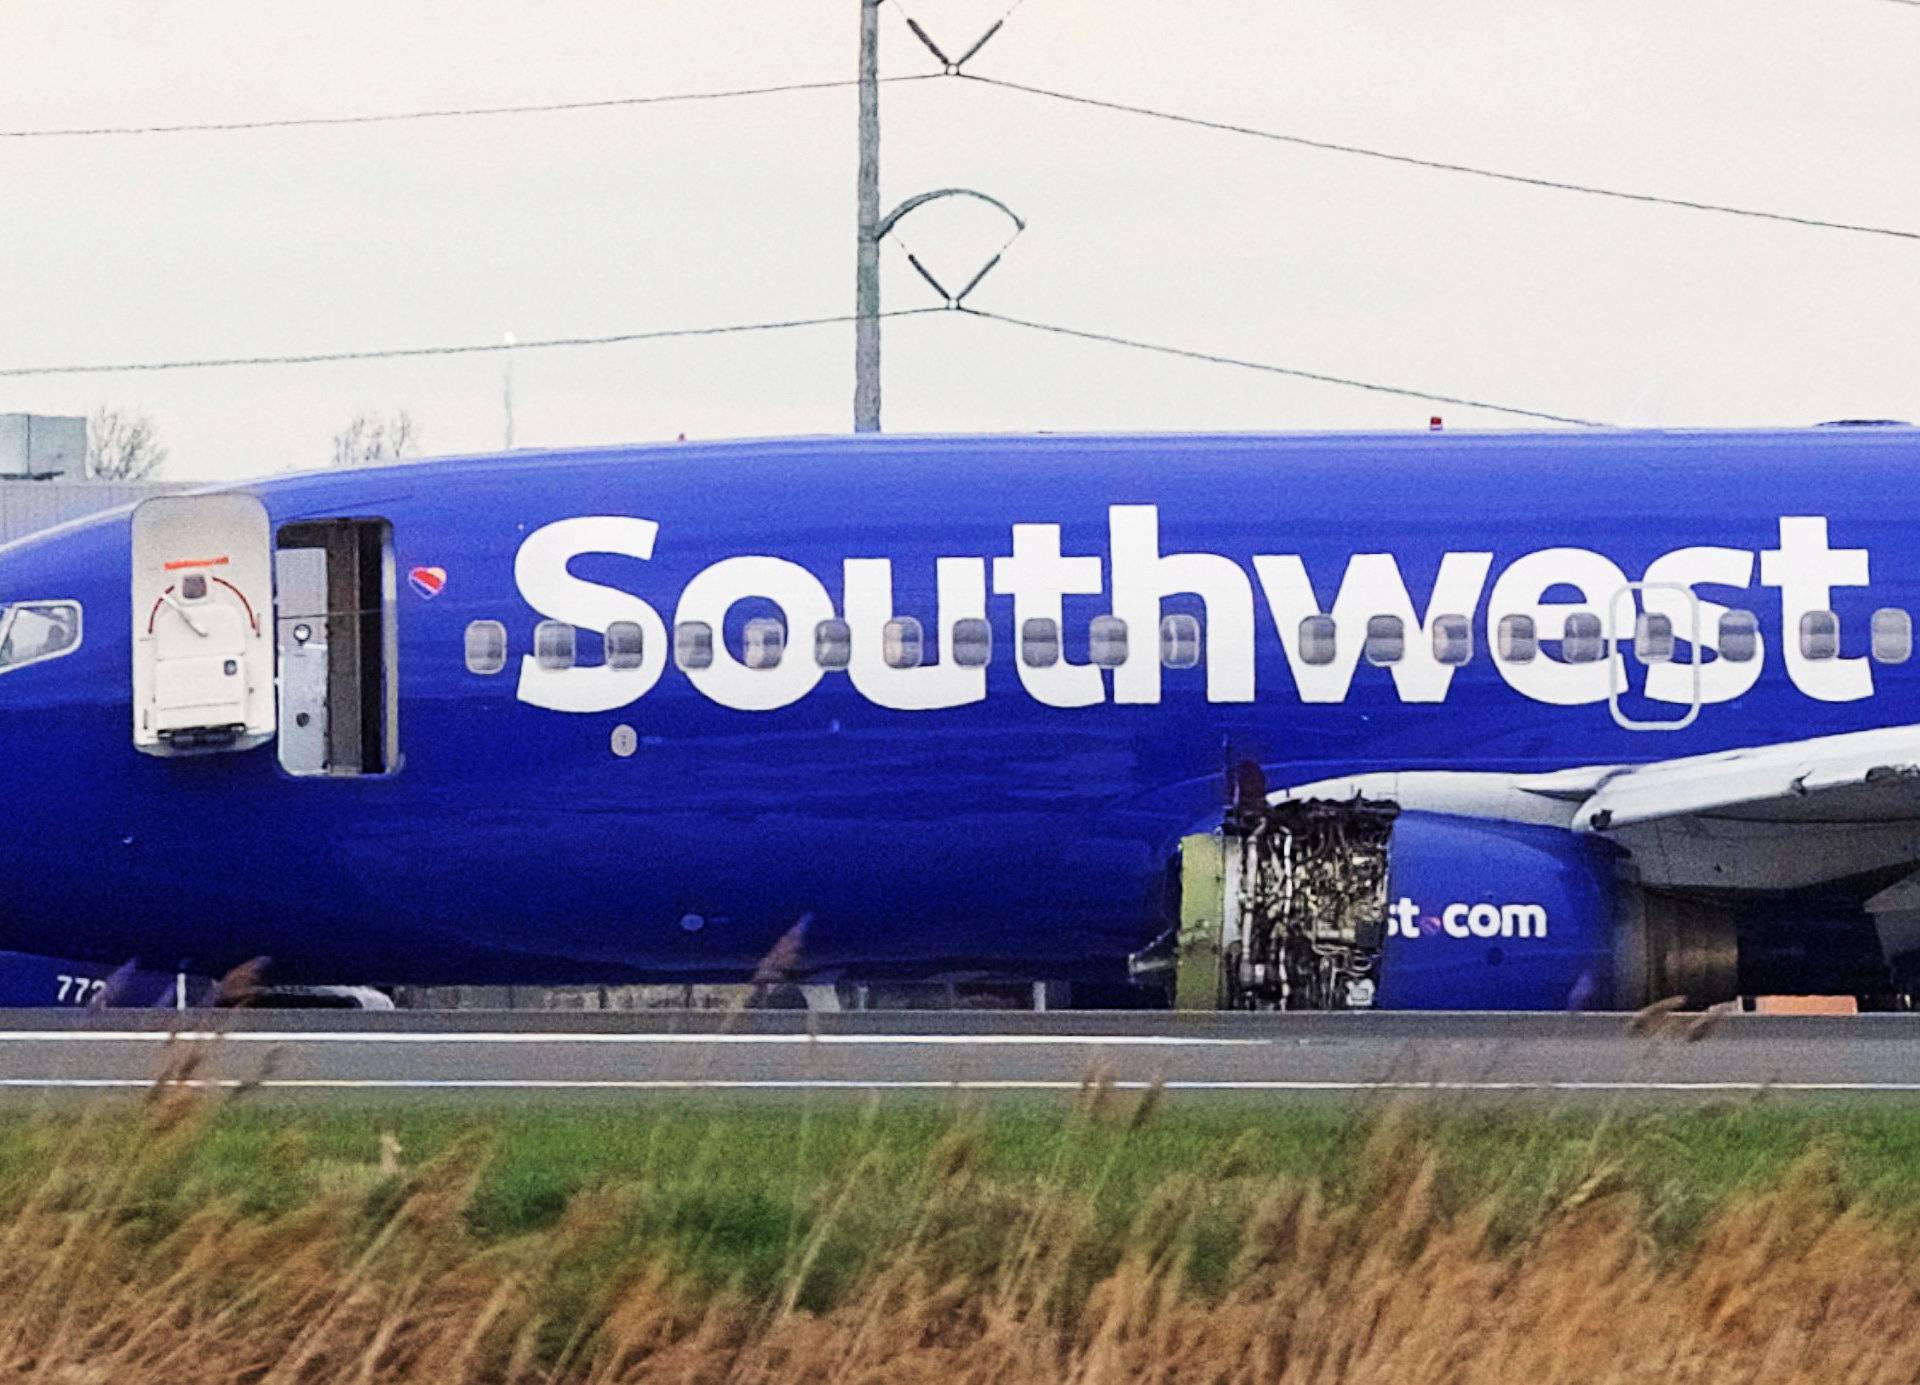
(34, 631)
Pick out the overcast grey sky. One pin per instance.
(637, 219)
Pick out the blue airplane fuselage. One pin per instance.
(1013, 820)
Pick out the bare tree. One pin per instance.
(371, 438)
(122, 445)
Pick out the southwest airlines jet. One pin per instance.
(1300, 721)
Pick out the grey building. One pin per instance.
(43, 468)
(42, 446)
(27, 507)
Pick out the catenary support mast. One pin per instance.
(866, 349)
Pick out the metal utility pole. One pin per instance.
(866, 329)
(874, 228)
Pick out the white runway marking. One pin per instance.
(329, 1036)
(673, 1084)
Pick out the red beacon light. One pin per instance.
(1435, 424)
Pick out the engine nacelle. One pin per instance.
(1315, 904)
(1497, 916)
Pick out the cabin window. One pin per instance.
(832, 644)
(1653, 638)
(1892, 636)
(486, 647)
(1386, 640)
(1819, 635)
(902, 643)
(1317, 640)
(1180, 641)
(766, 642)
(1040, 642)
(1107, 641)
(1452, 640)
(972, 642)
(693, 644)
(1515, 641)
(625, 645)
(553, 644)
(1739, 636)
(1581, 641)
(33, 631)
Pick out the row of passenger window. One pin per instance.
(903, 641)
(1583, 640)
(903, 644)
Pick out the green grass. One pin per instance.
(522, 1241)
(736, 1194)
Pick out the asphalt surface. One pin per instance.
(552, 1055)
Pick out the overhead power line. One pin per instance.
(672, 98)
(473, 349)
(442, 113)
(1334, 147)
(1292, 371)
(786, 324)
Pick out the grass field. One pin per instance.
(1102, 1239)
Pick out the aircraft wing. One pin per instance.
(1863, 776)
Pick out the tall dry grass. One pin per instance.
(108, 1275)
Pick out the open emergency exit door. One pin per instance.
(241, 633)
(202, 607)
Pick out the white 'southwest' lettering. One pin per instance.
(803, 604)
(1721, 680)
(1143, 575)
(1807, 571)
(1037, 577)
(962, 584)
(540, 571)
(1521, 590)
(1372, 586)
(1548, 586)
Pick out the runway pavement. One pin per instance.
(558, 1055)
